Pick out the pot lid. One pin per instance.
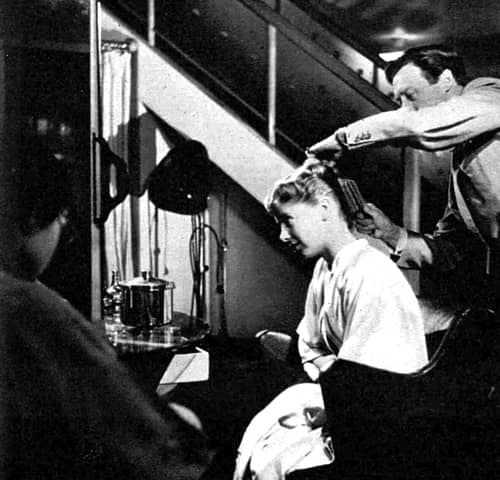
(146, 280)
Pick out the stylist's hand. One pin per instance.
(335, 144)
(377, 224)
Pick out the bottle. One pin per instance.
(113, 298)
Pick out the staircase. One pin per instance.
(255, 85)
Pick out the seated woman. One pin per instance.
(359, 307)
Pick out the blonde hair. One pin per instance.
(307, 183)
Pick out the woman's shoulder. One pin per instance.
(361, 252)
(320, 267)
(368, 261)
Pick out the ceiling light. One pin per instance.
(390, 56)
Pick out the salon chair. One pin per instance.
(441, 422)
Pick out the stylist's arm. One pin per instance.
(334, 144)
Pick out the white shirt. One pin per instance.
(364, 308)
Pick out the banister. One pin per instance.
(277, 24)
(340, 32)
(335, 66)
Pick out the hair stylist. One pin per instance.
(440, 111)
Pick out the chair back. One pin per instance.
(442, 421)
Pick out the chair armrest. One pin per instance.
(275, 345)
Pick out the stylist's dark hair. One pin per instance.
(43, 185)
(432, 60)
(312, 179)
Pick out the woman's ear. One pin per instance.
(326, 205)
(447, 80)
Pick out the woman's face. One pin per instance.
(301, 227)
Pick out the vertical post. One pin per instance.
(411, 203)
(272, 80)
(96, 235)
(156, 248)
(375, 75)
(223, 260)
(151, 23)
(134, 147)
(2, 89)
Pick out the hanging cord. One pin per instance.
(123, 240)
(221, 266)
(165, 244)
(192, 260)
(196, 243)
(203, 266)
(116, 242)
(195, 256)
(150, 246)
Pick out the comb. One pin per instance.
(354, 199)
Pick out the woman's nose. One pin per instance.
(284, 234)
(408, 104)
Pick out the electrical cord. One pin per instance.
(196, 243)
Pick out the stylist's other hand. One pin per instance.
(374, 222)
(334, 144)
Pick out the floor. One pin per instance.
(242, 381)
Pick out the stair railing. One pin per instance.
(276, 24)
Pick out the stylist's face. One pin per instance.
(413, 90)
(300, 227)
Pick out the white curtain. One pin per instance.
(116, 98)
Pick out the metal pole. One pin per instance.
(3, 111)
(272, 76)
(272, 84)
(96, 234)
(151, 23)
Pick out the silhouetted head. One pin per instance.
(37, 198)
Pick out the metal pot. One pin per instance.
(145, 303)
